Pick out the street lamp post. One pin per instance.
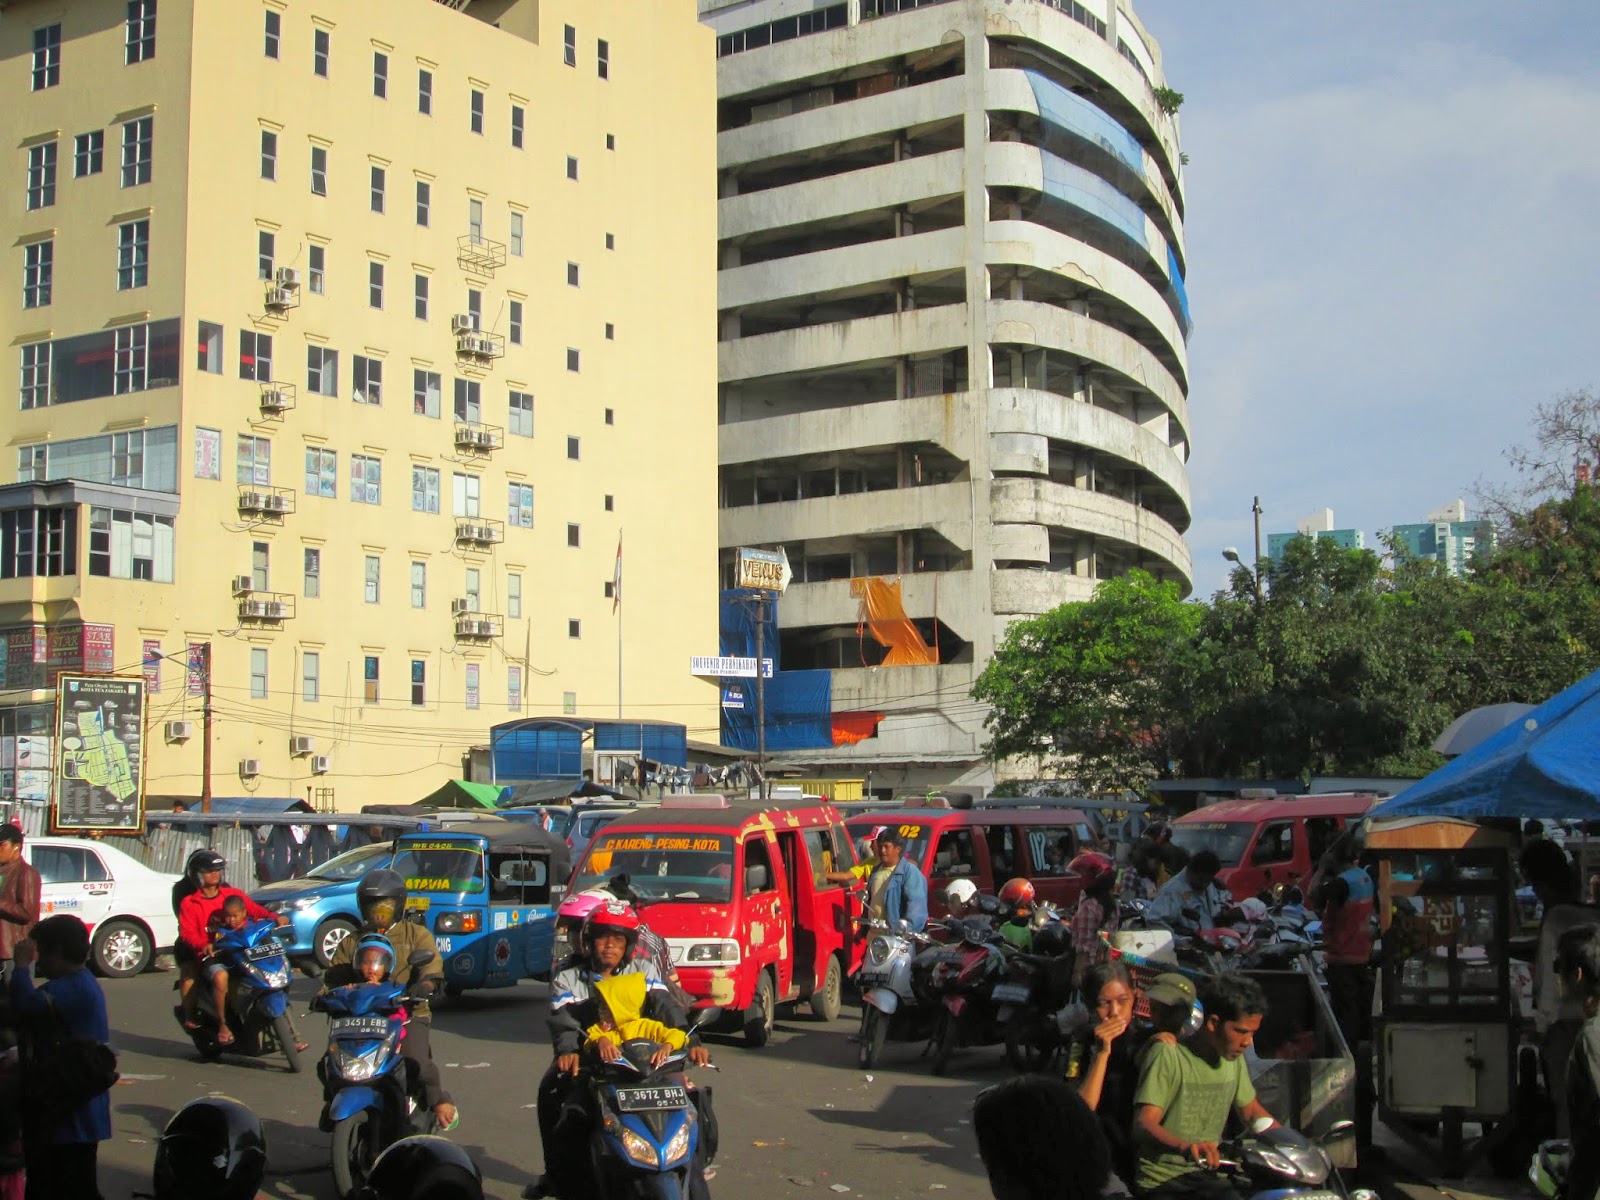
(1232, 555)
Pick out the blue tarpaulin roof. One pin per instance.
(254, 806)
(1545, 765)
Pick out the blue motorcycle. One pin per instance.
(372, 1100)
(646, 1128)
(258, 998)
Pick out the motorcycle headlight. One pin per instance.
(679, 1145)
(878, 950)
(356, 1068)
(278, 978)
(636, 1148)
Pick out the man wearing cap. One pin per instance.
(20, 890)
(897, 893)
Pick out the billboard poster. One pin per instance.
(197, 669)
(152, 665)
(99, 755)
(99, 649)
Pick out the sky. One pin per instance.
(1393, 231)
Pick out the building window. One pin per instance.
(38, 269)
(424, 489)
(426, 388)
(420, 297)
(475, 307)
(611, 332)
(130, 369)
(569, 45)
(520, 423)
(255, 355)
(475, 106)
(610, 503)
(273, 32)
(36, 375)
(129, 545)
(465, 494)
(574, 630)
(517, 117)
(127, 459)
(516, 234)
(419, 585)
(253, 461)
(322, 371)
(519, 506)
(322, 472)
(611, 416)
(141, 41)
(468, 406)
(312, 585)
(374, 285)
(611, 241)
(572, 449)
(574, 536)
(310, 676)
(572, 167)
(319, 171)
(377, 189)
(419, 682)
(41, 175)
(475, 219)
(474, 592)
(425, 93)
(258, 673)
(266, 253)
(514, 324)
(473, 671)
(269, 154)
(133, 255)
(317, 269)
(380, 75)
(260, 558)
(603, 56)
(611, 141)
(320, 45)
(514, 688)
(572, 274)
(514, 596)
(373, 578)
(89, 153)
(366, 479)
(367, 380)
(424, 200)
(369, 678)
(573, 361)
(208, 342)
(138, 139)
(46, 57)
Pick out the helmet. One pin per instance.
(375, 941)
(1548, 1170)
(960, 891)
(214, 1148)
(1017, 893)
(202, 862)
(1097, 870)
(1052, 939)
(381, 897)
(579, 905)
(423, 1168)
(610, 916)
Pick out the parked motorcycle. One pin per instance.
(890, 1007)
(645, 1138)
(959, 981)
(1036, 988)
(258, 998)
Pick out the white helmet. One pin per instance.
(960, 891)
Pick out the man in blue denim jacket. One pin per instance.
(897, 891)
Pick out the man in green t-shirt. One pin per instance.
(1186, 1092)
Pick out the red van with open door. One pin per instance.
(738, 889)
(1263, 843)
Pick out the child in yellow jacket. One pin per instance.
(621, 1005)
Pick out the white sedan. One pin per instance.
(126, 905)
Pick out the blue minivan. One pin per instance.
(321, 906)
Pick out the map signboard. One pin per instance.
(99, 754)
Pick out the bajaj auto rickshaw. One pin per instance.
(486, 897)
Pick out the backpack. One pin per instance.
(75, 1072)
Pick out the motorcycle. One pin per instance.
(960, 978)
(372, 1099)
(890, 1006)
(258, 998)
(1037, 987)
(645, 1137)
(1274, 1162)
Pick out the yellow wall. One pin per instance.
(214, 89)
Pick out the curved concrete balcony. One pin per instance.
(839, 269)
(1027, 593)
(1055, 505)
(886, 187)
(843, 343)
(887, 688)
(1033, 323)
(943, 507)
(947, 420)
(1047, 415)
(925, 596)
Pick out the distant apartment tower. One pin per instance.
(1318, 525)
(1448, 537)
(953, 326)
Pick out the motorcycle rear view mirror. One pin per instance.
(419, 958)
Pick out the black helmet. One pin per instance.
(213, 1148)
(202, 861)
(423, 1168)
(381, 897)
(1052, 939)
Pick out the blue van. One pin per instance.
(321, 906)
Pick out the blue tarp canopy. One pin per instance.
(254, 806)
(1545, 765)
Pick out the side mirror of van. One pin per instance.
(756, 879)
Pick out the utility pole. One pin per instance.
(205, 761)
(761, 691)
(1255, 509)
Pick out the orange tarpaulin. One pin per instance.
(852, 727)
(884, 616)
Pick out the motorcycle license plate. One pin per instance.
(944, 956)
(1010, 993)
(361, 1027)
(651, 1099)
(267, 949)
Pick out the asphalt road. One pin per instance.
(798, 1118)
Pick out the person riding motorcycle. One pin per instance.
(214, 1148)
(651, 946)
(197, 913)
(606, 946)
(381, 900)
(1019, 898)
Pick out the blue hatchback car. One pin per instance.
(322, 906)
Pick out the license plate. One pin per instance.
(649, 1099)
(266, 949)
(944, 956)
(1010, 993)
(366, 1027)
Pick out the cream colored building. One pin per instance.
(352, 337)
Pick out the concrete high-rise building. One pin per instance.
(953, 326)
(1318, 525)
(1448, 537)
(351, 337)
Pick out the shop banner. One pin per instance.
(152, 665)
(99, 759)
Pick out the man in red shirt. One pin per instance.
(20, 892)
(195, 929)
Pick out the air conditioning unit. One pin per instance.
(180, 731)
(457, 607)
(321, 764)
(461, 323)
(280, 297)
(243, 585)
(274, 399)
(482, 628)
(275, 610)
(272, 502)
(249, 767)
(288, 277)
(302, 745)
(252, 500)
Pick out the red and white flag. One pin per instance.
(616, 577)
